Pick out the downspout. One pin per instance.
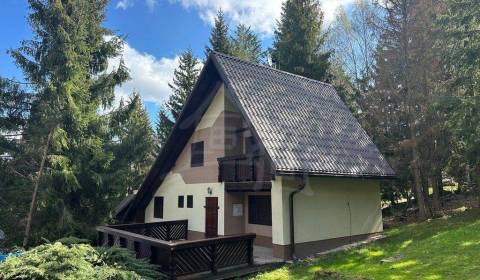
(292, 220)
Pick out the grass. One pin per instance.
(445, 248)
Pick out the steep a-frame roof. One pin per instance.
(302, 124)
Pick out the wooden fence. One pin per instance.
(181, 257)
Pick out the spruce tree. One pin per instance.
(184, 79)
(15, 174)
(298, 43)
(219, 40)
(459, 44)
(65, 136)
(399, 110)
(132, 144)
(246, 44)
(163, 127)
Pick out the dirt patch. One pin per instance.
(451, 205)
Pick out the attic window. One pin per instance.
(196, 154)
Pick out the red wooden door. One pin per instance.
(211, 217)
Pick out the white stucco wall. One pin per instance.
(327, 208)
(214, 110)
(172, 187)
(174, 184)
(280, 225)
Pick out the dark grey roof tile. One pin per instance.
(303, 123)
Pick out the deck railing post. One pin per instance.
(122, 242)
(169, 232)
(185, 232)
(148, 232)
(136, 248)
(250, 251)
(214, 258)
(171, 265)
(110, 240)
(99, 238)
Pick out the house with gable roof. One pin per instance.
(259, 150)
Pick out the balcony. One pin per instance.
(245, 173)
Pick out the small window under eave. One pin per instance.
(197, 154)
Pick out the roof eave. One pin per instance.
(335, 174)
(155, 173)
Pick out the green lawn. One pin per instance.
(446, 248)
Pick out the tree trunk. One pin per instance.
(437, 189)
(468, 178)
(477, 183)
(35, 190)
(426, 190)
(423, 211)
(408, 205)
(405, 35)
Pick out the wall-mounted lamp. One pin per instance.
(209, 190)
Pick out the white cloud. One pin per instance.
(124, 4)
(261, 15)
(151, 4)
(330, 8)
(149, 76)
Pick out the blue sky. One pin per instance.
(156, 31)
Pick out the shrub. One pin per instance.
(119, 257)
(58, 261)
(72, 240)
(125, 258)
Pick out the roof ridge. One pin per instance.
(269, 68)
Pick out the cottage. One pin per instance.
(259, 150)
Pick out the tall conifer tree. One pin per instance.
(459, 43)
(219, 40)
(184, 79)
(132, 144)
(163, 126)
(246, 45)
(298, 44)
(66, 64)
(398, 109)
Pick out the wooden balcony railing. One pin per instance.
(177, 258)
(244, 168)
(167, 231)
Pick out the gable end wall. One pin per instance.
(185, 180)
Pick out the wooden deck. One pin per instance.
(165, 244)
